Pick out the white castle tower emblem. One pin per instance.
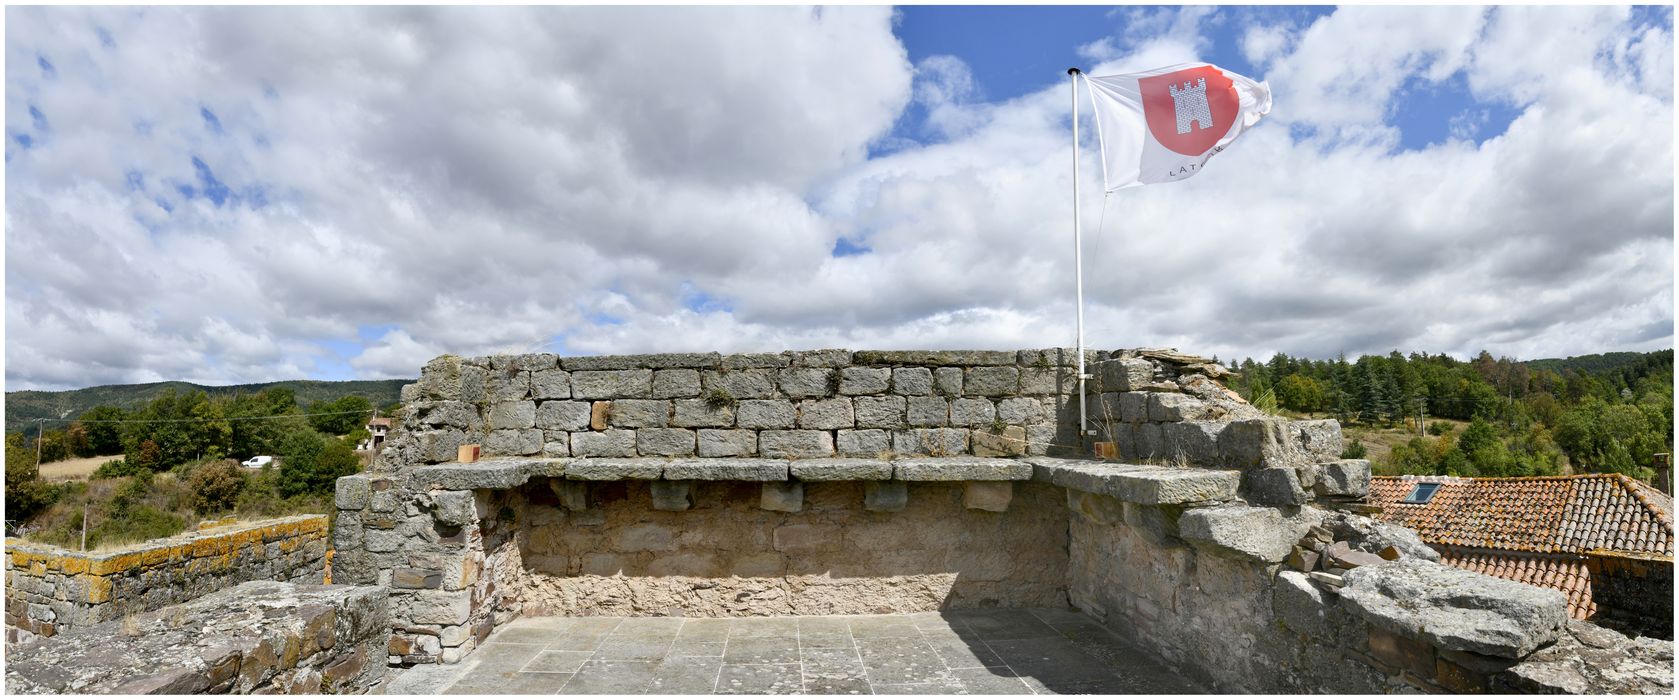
(1190, 103)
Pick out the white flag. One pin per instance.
(1163, 125)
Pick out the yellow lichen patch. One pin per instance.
(74, 565)
(154, 557)
(98, 589)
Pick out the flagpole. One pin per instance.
(1078, 257)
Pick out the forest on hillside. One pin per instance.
(1595, 413)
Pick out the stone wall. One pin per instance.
(50, 589)
(729, 556)
(1633, 593)
(260, 637)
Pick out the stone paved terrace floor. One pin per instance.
(994, 652)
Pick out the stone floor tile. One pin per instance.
(833, 672)
(556, 662)
(824, 632)
(759, 679)
(957, 652)
(650, 625)
(424, 679)
(764, 627)
(684, 648)
(1054, 662)
(901, 660)
(625, 649)
(528, 634)
(762, 650)
(879, 626)
(685, 676)
(1004, 624)
(705, 630)
(500, 660)
(581, 638)
(941, 688)
(990, 681)
(521, 684)
(617, 677)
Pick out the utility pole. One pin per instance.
(84, 527)
(40, 432)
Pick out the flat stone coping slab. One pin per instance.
(1139, 483)
(1456, 609)
(512, 472)
(960, 469)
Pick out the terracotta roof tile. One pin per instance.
(1561, 514)
(1562, 572)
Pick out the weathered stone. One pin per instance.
(1390, 553)
(1036, 381)
(1019, 411)
(452, 508)
(740, 384)
(755, 360)
(855, 381)
(1343, 556)
(960, 469)
(880, 412)
(947, 381)
(937, 442)
(934, 357)
(1260, 534)
(1009, 442)
(1303, 559)
(973, 413)
(484, 474)
(912, 381)
(699, 413)
(551, 384)
(885, 496)
(991, 381)
(563, 415)
(573, 495)
(928, 411)
(440, 445)
(727, 469)
(820, 358)
(1148, 485)
(1123, 375)
(1299, 604)
(727, 443)
(615, 469)
(1165, 408)
(1374, 535)
(675, 384)
(993, 496)
(1193, 443)
(1318, 440)
(440, 379)
(639, 413)
(405, 577)
(782, 496)
(513, 442)
(606, 443)
(841, 469)
(508, 384)
(794, 444)
(1260, 442)
(826, 414)
(1455, 609)
(862, 443)
(765, 415)
(672, 495)
(439, 607)
(353, 493)
(612, 384)
(448, 414)
(665, 442)
(1347, 477)
(636, 362)
(1273, 487)
(805, 382)
(1133, 406)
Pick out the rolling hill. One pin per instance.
(23, 407)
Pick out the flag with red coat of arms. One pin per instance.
(1163, 125)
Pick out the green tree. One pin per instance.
(1300, 393)
(104, 437)
(312, 464)
(214, 487)
(26, 494)
(340, 416)
(184, 427)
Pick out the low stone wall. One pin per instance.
(258, 637)
(50, 589)
(1633, 593)
(729, 556)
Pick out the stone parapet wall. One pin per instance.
(50, 589)
(260, 637)
(820, 403)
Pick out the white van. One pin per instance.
(257, 462)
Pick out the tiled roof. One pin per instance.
(1562, 572)
(1581, 514)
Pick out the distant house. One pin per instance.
(1604, 540)
(376, 428)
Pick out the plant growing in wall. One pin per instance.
(718, 399)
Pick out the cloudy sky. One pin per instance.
(237, 195)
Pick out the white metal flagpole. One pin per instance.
(1078, 256)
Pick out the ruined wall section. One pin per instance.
(50, 589)
(728, 556)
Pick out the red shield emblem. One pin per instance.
(1189, 110)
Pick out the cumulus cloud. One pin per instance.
(213, 193)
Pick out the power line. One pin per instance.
(193, 420)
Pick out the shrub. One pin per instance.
(312, 464)
(1438, 428)
(115, 469)
(137, 524)
(214, 487)
(1354, 450)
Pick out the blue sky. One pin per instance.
(229, 195)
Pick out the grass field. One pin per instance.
(73, 469)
